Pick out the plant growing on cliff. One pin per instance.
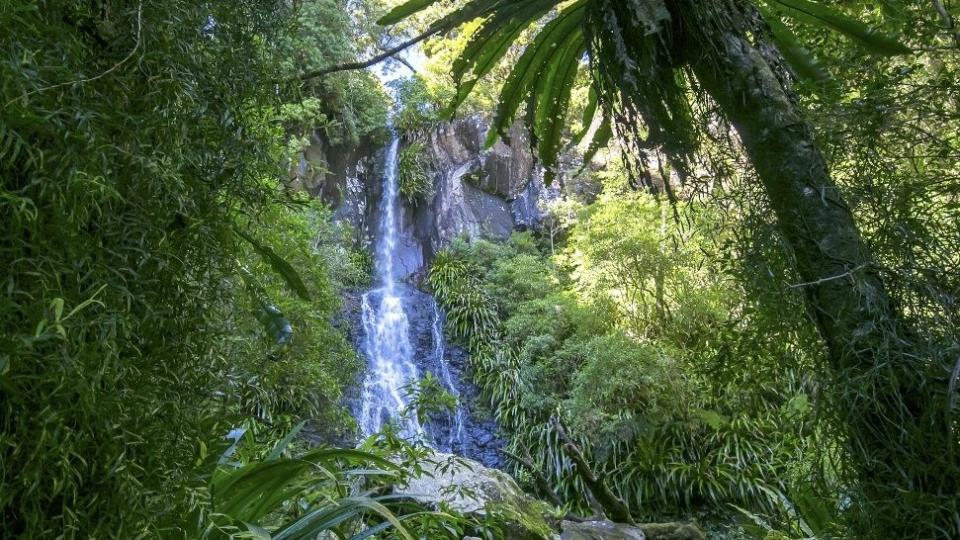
(470, 311)
(415, 184)
(428, 398)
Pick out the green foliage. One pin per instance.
(354, 103)
(428, 398)
(343, 492)
(469, 309)
(620, 336)
(417, 106)
(415, 184)
(132, 157)
(542, 78)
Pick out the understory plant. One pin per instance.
(669, 384)
(415, 183)
(291, 494)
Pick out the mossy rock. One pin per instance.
(468, 487)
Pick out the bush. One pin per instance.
(675, 386)
(131, 154)
(414, 181)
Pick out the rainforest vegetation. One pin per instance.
(741, 306)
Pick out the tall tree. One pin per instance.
(646, 58)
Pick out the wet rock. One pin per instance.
(672, 531)
(599, 530)
(475, 436)
(470, 488)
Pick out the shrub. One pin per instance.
(414, 179)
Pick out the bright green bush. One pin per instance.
(469, 309)
(675, 385)
(414, 180)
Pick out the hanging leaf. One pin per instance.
(821, 15)
(490, 43)
(589, 112)
(275, 323)
(532, 65)
(799, 58)
(404, 10)
(600, 140)
(279, 265)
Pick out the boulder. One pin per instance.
(674, 530)
(599, 530)
(607, 530)
(470, 488)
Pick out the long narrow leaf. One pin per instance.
(279, 265)
(819, 14)
(405, 10)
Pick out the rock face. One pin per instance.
(471, 488)
(488, 193)
(599, 530)
(476, 192)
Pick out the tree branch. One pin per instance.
(349, 66)
(470, 12)
(612, 505)
(542, 482)
(948, 21)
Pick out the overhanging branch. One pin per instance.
(349, 66)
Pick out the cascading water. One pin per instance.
(386, 326)
(456, 428)
(402, 335)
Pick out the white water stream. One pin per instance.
(391, 362)
(386, 326)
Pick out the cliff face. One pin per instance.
(476, 192)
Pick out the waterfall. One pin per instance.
(456, 429)
(403, 333)
(389, 353)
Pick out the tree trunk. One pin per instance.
(892, 423)
(613, 506)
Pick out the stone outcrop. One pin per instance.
(470, 488)
(599, 530)
(476, 192)
(607, 530)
